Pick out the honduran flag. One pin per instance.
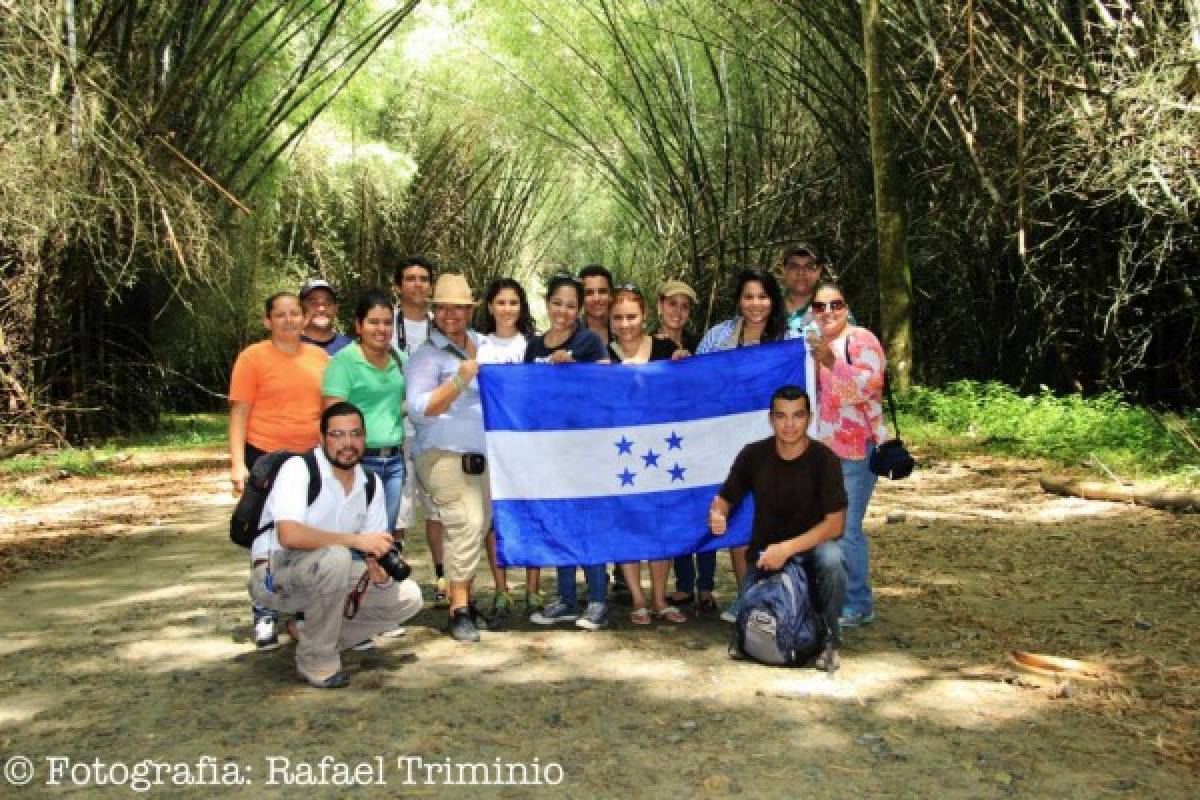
(602, 463)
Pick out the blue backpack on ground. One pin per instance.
(776, 623)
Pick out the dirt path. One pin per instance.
(133, 644)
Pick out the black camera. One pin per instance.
(474, 463)
(394, 564)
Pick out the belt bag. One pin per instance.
(474, 463)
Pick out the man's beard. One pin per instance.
(337, 460)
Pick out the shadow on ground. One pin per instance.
(141, 651)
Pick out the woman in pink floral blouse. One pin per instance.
(850, 369)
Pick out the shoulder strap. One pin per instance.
(401, 335)
(397, 357)
(887, 389)
(372, 483)
(314, 475)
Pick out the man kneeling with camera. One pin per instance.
(333, 559)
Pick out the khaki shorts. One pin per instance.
(464, 505)
(414, 493)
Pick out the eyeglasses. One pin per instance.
(353, 433)
(819, 306)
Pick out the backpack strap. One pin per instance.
(372, 483)
(314, 475)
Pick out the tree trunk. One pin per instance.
(891, 216)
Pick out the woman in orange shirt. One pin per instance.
(274, 404)
(275, 391)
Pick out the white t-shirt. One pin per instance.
(334, 510)
(416, 331)
(494, 350)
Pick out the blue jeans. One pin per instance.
(685, 572)
(390, 470)
(860, 483)
(825, 567)
(597, 584)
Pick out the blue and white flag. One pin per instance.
(596, 463)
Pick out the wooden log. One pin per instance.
(1152, 497)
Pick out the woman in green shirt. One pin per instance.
(368, 374)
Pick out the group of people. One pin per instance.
(401, 402)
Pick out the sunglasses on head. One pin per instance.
(819, 306)
(628, 287)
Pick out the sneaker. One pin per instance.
(364, 646)
(477, 618)
(441, 597)
(730, 613)
(462, 628)
(558, 611)
(853, 619)
(595, 617)
(829, 660)
(265, 637)
(502, 605)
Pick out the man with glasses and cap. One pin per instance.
(320, 310)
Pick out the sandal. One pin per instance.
(681, 598)
(640, 616)
(671, 614)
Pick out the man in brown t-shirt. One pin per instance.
(799, 507)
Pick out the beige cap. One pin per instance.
(677, 287)
(452, 290)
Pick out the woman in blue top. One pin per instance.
(569, 341)
(761, 318)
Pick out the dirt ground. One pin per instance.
(124, 637)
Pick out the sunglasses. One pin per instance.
(629, 287)
(819, 306)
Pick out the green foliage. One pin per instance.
(1072, 429)
(175, 431)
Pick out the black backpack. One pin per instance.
(243, 524)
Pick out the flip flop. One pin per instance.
(671, 614)
(640, 616)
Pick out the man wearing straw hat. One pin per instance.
(445, 407)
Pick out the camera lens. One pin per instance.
(394, 565)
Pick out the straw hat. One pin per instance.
(452, 290)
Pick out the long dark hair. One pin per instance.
(524, 320)
(777, 321)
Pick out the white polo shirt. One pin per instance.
(334, 510)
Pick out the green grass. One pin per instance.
(175, 431)
(1129, 440)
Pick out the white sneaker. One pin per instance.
(595, 617)
(265, 637)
